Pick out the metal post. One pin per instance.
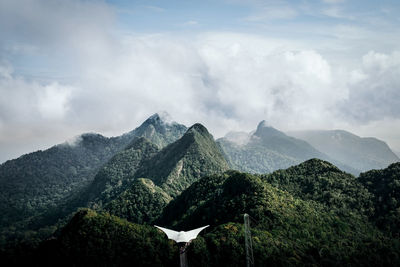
(183, 256)
(248, 242)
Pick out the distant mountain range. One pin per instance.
(176, 176)
(268, 149)
(360, 153)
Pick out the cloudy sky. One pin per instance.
(74, 66)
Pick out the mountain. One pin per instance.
(361, 153)
(320, 181)
(181, 163)
(385, 186)
(140, 180)
(159, 129)
(40, 180)
(268, 149)
(38, 183)
(115, 176)
(118, 189)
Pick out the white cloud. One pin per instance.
(375, 88)
(32, 115)
(53, 101)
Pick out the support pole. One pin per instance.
(248, 242)
(182, 255)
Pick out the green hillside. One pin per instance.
(385, 186)
(41, 180)
(99, 239)
(119, 188)
(39, 189)
(181, 163)
(323, 182)
(286, 230)
(142, 202)
(117, 175)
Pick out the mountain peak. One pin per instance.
(264, 124)
(160, 118)
(160, 129)
(197, 127)
(266, 130)
(315, 165)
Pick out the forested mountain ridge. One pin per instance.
(323, 182)
(137, 182)
(142, 175)
(115, 176)
(181, 163)
(39, 180)
(37, 184)
(362, 153)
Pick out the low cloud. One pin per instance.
(375, 88)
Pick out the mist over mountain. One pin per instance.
(361, 153)
(268, 149)
(160, 129)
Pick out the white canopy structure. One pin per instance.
(181, 236)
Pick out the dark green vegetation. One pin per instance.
(181, 163)
(268, 149)
(323, 182)
(311, 214)
(40, 180)
(287, 230)
(99, 239)
(361, 153)
(168, 171)
(143, 202)
(385, 187)
(117, 175)
(36, 189)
